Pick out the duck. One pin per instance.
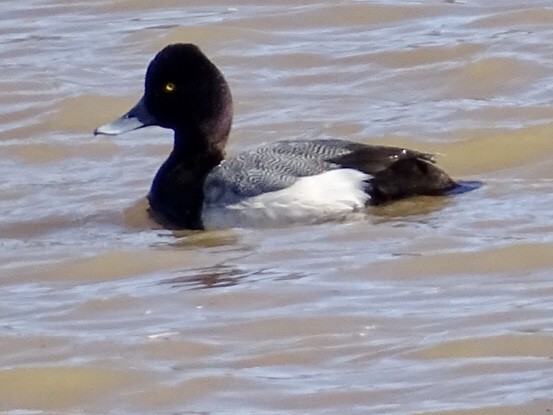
(277, 184)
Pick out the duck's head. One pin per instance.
(185, 92)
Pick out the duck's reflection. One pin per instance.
(218, 276)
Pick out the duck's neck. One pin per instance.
(177, 194)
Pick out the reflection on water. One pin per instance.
(429, 305)
(223, 276)
(209, 278)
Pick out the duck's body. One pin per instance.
(276, 184)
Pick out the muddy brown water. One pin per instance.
(428, 306)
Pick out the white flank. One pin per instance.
(329, 195)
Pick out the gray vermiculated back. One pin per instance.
(271, 167)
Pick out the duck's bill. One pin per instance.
(137, 117)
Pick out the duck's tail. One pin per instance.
(411, 177)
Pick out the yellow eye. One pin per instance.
(169, 87)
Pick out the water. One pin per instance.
(427, 306)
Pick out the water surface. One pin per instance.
(427, 306)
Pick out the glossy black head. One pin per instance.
(185, 92)
(184, 89)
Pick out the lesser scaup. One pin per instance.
(275, 184)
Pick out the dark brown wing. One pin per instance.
(396, 172)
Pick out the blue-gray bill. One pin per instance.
(137, 117)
